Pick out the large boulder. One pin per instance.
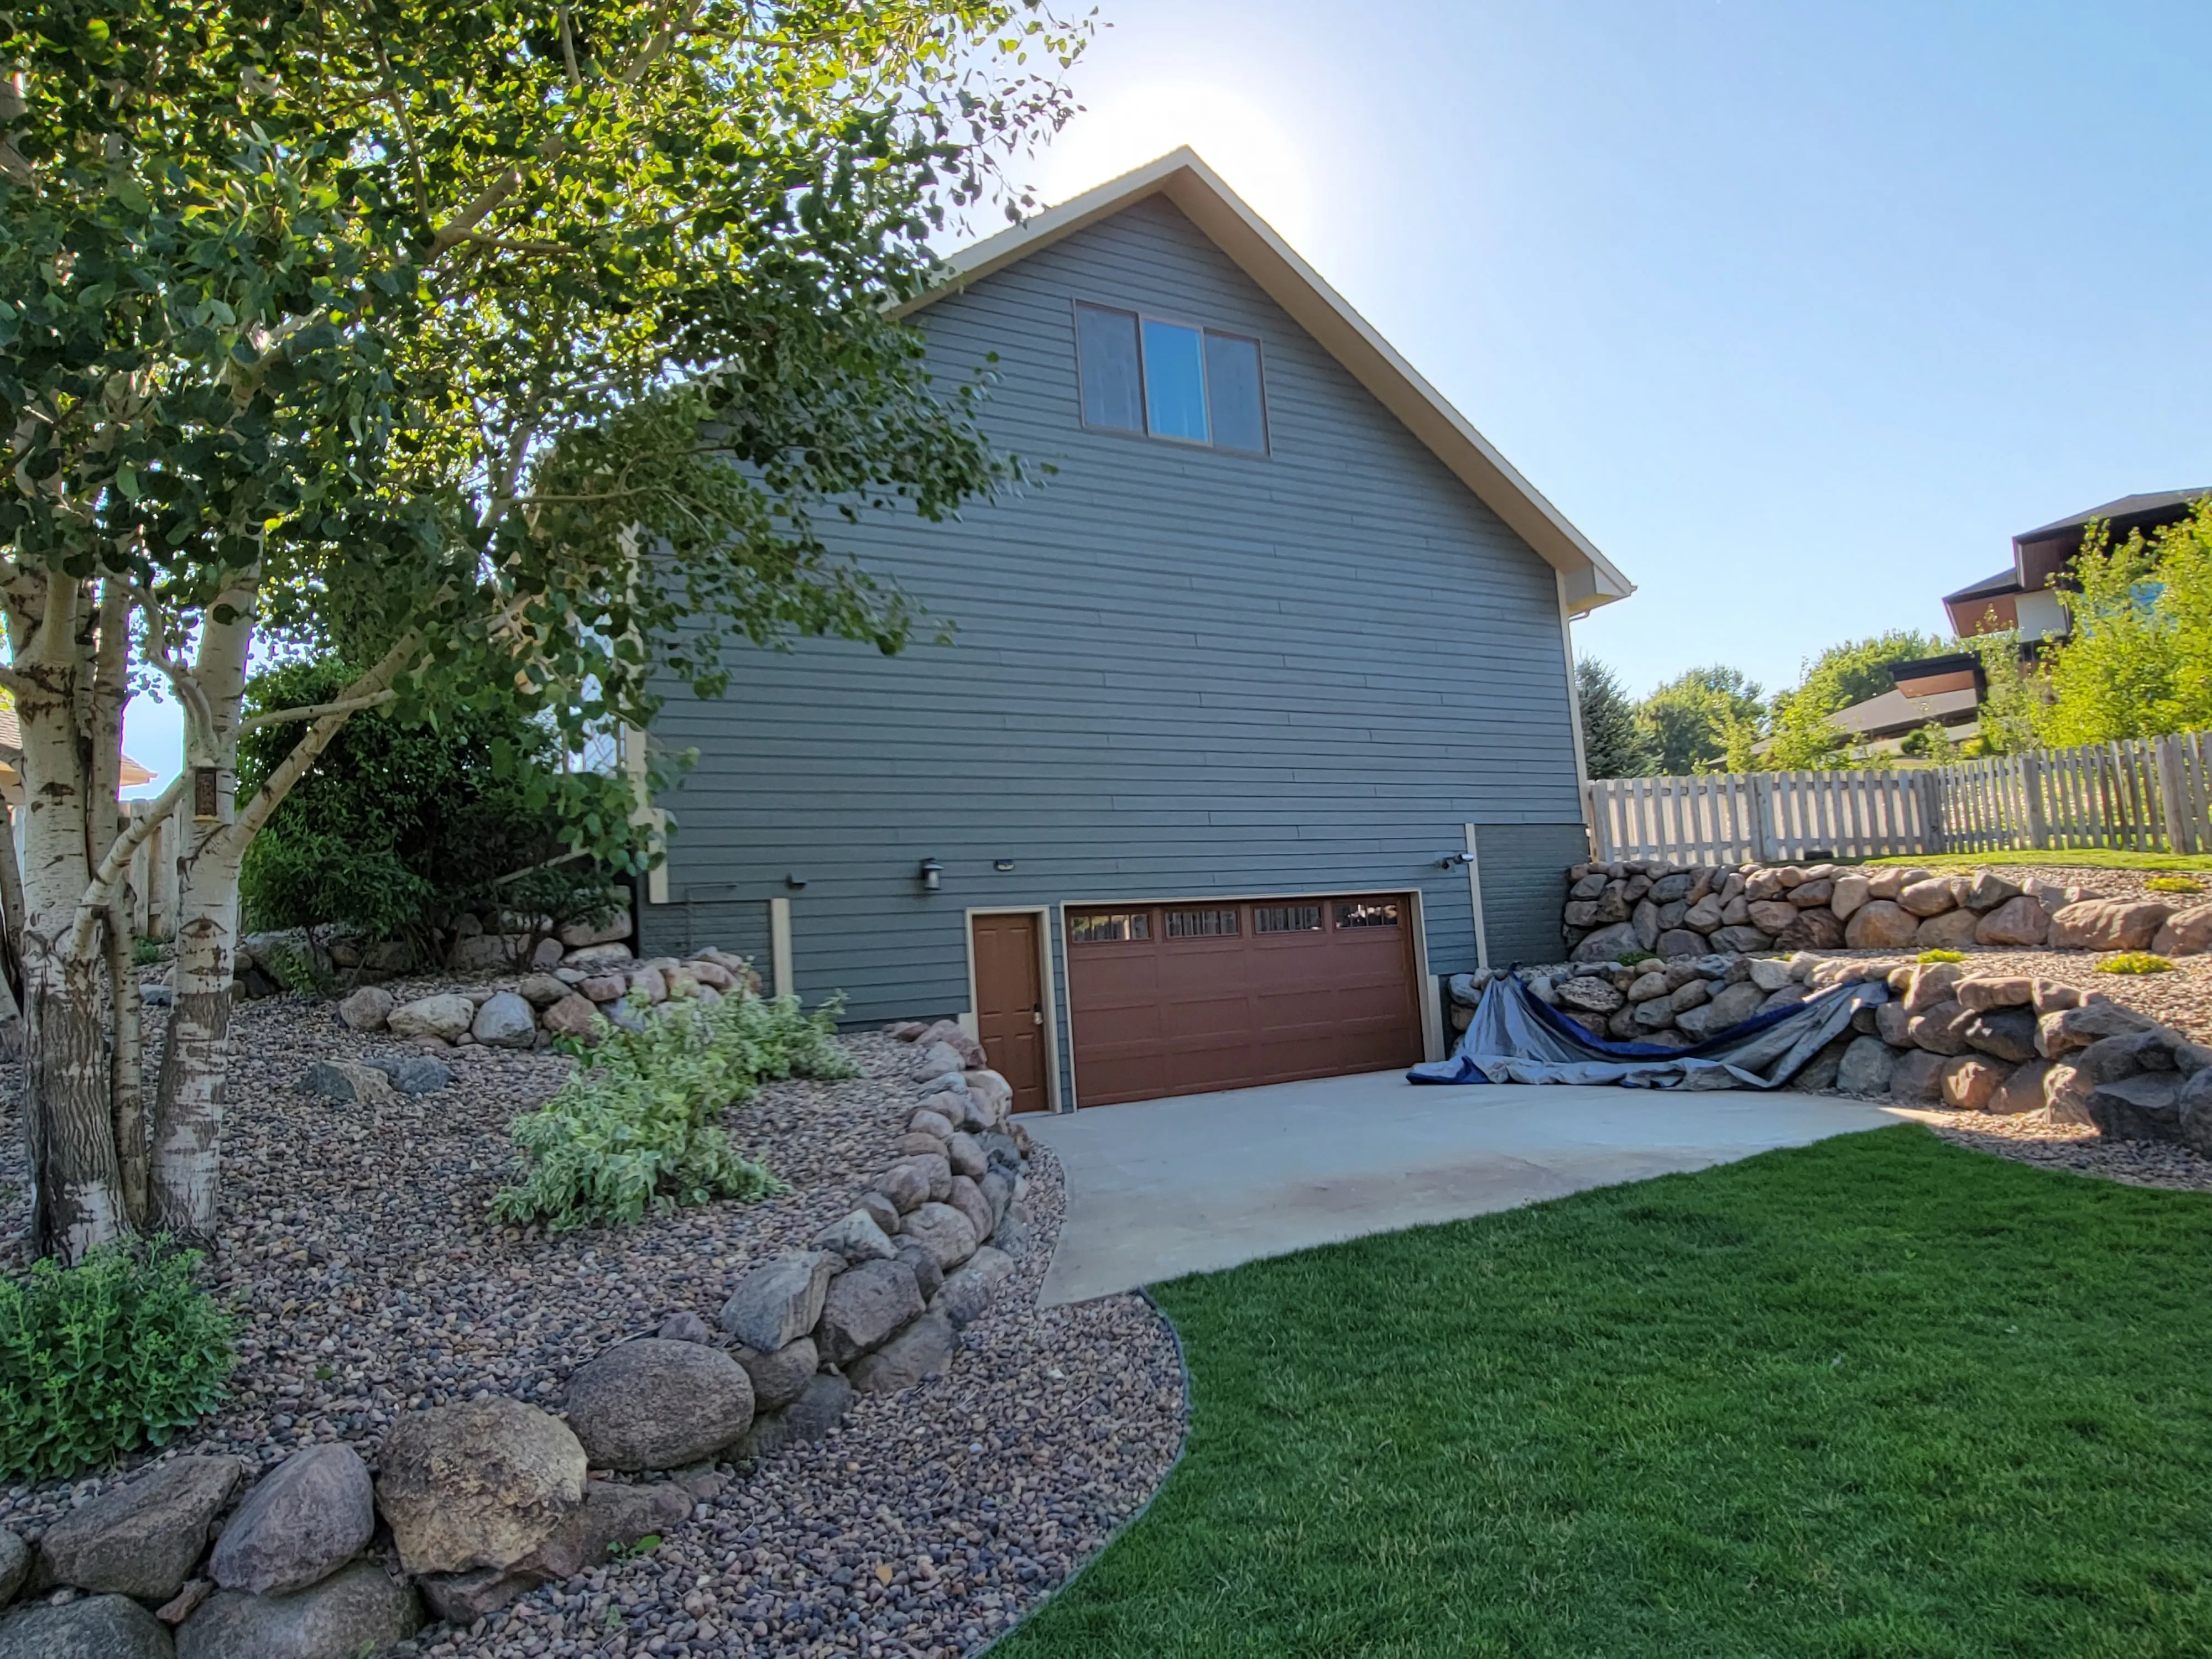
(781, 1300)
(817, 1410)
(2060, 1032)
(95, 1627)
(361, 1610)
(611, 1516)
(2185, 933)
(1918, 1077)
(865, 1306)
(2018, 921)
(142, 1539)
(653, 1403)
(1772, 915)
(992, 1091)
(943, 1232)
(1941, 1029)
(1741, 939)
(940, 1059)
(1969, 1083)
(1880, 925)
(367, 1009)
(1813, 930)
(598, 958)
(1982, 994)
(505, 1021)
(1851, 892)
(967, 1199)
(2144, 1107)
(2193, 1112)
(2108, 925)
(1931, 897)
(541, 990)
(303, 1521)
(781, 1377)
(1930, 983)
(444, 1017)
(1954, 930)
(345, 1080)
(2007, 1034)
(1607, 943)
(924, 1349)
(576, 936)
(479, 1485)
(573, 1016)
(14, 1566)
(1867, 1066)
(857, 1238)
(2022, 1091)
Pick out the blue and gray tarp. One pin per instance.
(1516, 1038)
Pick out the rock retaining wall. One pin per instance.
(1615, 909)
(483, 1502)
(1946, 1036)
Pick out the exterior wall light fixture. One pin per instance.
(933, 875)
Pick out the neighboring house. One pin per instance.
(1947, 691)
(1189, 802)
(2030, 595)
(11, 755)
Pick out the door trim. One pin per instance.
(1427, 1001)
(1043, 914)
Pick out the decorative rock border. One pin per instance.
(1616, 909)
(488, 1500)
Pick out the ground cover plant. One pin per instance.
(1879, 1396)
(117, 1352)
(2135, 962)
(633, 1128)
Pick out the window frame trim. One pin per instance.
(1077, 301)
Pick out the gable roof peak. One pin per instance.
(1588, 578)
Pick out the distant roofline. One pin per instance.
(2127, 507)
(1589, 579)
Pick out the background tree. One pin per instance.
(1612, 741)
(1687, 721)
(2138, 661)
(402, 827)
(528, 341)
(1802, 737)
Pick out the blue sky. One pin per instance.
(1799, 311)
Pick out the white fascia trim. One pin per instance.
(1591, 579)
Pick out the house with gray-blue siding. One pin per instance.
(1257, 719)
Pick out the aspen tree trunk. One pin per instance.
(76, 1200)
(190, 1091)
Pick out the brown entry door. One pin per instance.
(1010, 1004)
(1177, 1000)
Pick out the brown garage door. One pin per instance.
(1175, 999)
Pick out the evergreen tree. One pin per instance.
(1613, 742)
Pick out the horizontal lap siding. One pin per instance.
(1174, 672)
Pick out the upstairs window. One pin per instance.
(1170, 380)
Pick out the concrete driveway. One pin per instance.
(1161, 1188)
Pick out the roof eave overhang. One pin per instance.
(1588, 579)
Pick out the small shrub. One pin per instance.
(2135, 962)
(146, 952)
(1940, 956)
(120, 1351)
(2174, 885)
(633, 1129)
(1630, 958)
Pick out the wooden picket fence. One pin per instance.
(2142, 795)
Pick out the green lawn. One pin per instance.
(2083, 858)
(1877, 1397)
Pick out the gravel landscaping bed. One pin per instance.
(356, 1242)
(2074, 1148)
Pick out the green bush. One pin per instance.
(2174, 885)
(632, 1129)
(402, 826)
(120, 1351)
(1940, 956)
